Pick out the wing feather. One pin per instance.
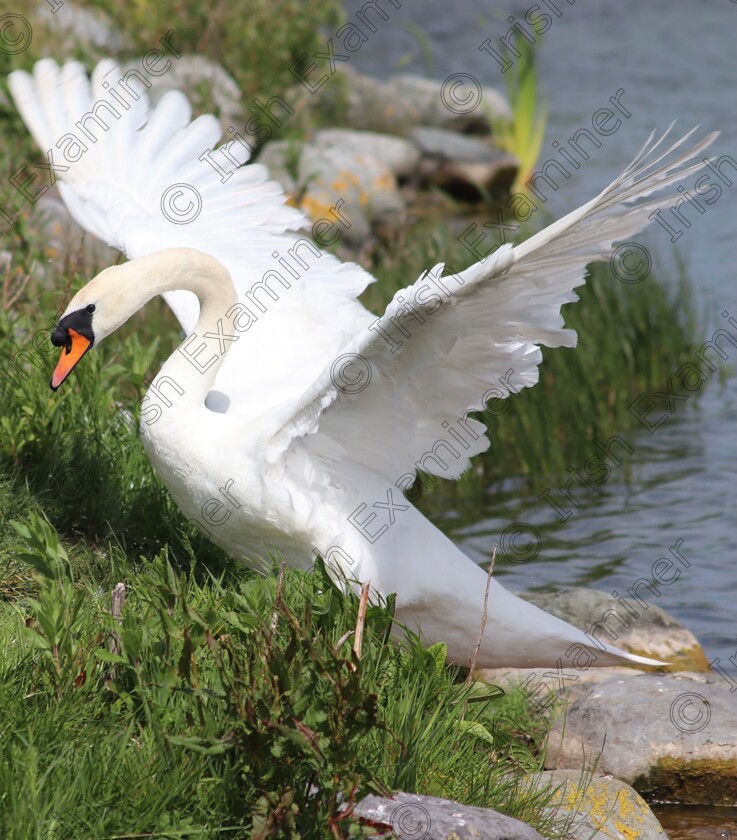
(117, 189)
(427, 363)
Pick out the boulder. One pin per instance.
(597, 808)
(465, 167)
(397, 105)
(476, 181)
(408, 816)
(652, 632)
(74, 28)
(398, 154)
(671, 737)
(365, 185)
(281, 158)
(542, 687)
(425, 98)
(443, 144)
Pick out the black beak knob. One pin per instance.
(59, 336)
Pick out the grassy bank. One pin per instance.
(225, 705)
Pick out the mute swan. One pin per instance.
(290, 418)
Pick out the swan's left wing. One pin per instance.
(396, 399)
(145, 178)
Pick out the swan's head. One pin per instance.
(110, 299)
(93, 313)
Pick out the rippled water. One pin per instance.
(673, 60)
(697, 823)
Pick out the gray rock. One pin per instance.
(598, 808)
(396, 105)
(670, 738)
(408, 816)
(545, 689)
(465, 167)
(365, 185)
(652, 632)
(425, 97)
(448, 145)
(475, 181)
(281, 158)
(75, 27)
(400, 155)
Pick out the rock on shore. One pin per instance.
(598, 808)
(409, 816)
(650, 632)
(672, 737)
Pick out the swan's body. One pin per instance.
(291, 426)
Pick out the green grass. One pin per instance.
(522, 134)
(223, 706)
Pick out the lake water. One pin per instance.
(673, 61)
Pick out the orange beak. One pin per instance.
(77, 345)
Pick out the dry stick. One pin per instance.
(361, 619)
(117, 599)
(472, 664)
(277, 599)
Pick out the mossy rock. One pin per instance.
(671, 737)
(652, 632)
(707, 780)
(598, 808)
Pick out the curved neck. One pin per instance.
(189, 373)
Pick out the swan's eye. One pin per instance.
(90, 308)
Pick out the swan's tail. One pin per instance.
(517, 634)
(441, 594)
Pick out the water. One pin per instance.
(673, 61)
(697, 823)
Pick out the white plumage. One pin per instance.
(314, 415)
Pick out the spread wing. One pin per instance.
(139, 179)
(392, 399)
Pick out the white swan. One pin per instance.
(290, 418)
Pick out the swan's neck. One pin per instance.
(189, 374)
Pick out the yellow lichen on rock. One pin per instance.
(314, 208)
(599, 808)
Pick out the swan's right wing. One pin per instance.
(396, 399)
(140, 180)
